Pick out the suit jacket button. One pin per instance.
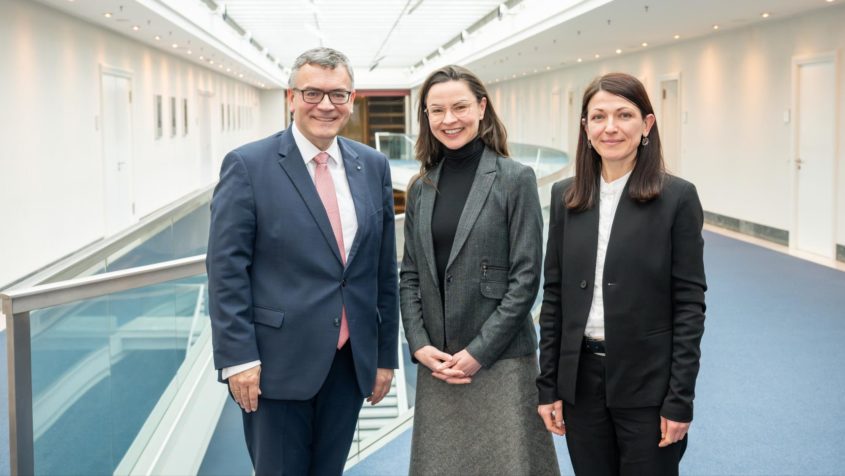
(337, 322)
(583, 284)
(343, 283)
(449, 278)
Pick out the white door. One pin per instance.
(669, 124)
(814, 161)
(205, 155)
(117, 152)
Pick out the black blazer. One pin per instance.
(653, 299)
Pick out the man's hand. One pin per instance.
(672, 432)
(382, 385)
(244, 387)
(552, 415)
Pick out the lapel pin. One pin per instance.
(358, 167)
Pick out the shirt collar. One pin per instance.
(615, 186)
(309, 150)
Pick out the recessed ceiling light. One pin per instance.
(240, 75)
(644, 44)
(189, 52)
(220, 65)
(715, 27)
(830, 1)
(174, 45)
(618, 51)
(210, 61)
(202, 57)
(136, 28)
(514, 76)
(597, 56)
(677, 37)
(157, 37)
(765, 14)
(548, 68)
(228, 70)
(579, 60)
(107, 15)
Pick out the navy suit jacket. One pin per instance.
(276, 280)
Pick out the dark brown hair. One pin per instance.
(428, 150)
(646, 180)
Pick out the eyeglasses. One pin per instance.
(437, 113)
(315, 96)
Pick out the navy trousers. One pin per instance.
(606, 441)
(307, 437)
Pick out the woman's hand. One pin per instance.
(458, 370)
(552, 415)
(672, 431)
(440, 364)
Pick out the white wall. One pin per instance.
(51, 167)
(735, 87)
(274, 112)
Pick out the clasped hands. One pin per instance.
(454, 369)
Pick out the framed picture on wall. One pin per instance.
(185, 117)
(172, 116)
(159, 117)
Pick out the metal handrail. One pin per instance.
(54, 294)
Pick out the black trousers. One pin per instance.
(307, 437)
(606, 441)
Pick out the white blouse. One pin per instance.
(609, 196)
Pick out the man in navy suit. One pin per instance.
(303, 278)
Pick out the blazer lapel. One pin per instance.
(294, 166)
(425, 212)
(626, 210)
(481, 185)
(355, 175)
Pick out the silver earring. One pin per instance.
(645, 140)
(589, 144)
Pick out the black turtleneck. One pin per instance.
(456, 176)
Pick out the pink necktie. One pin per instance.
(325, 188)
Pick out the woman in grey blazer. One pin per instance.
(469, 277)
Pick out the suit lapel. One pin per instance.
(356, 176)
(425, 212)
(294, 166)
(625, 210)
(481, 185)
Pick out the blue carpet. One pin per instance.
(770, 392)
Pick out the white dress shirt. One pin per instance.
(609, 196)
(348, 219)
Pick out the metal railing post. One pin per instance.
(19, 357)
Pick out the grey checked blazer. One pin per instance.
(493, 272)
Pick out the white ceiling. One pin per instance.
(530, 36)
(362, 29)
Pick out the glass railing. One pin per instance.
(96, 361)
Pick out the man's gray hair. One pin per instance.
(323, 57)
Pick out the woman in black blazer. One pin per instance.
(623, 303)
